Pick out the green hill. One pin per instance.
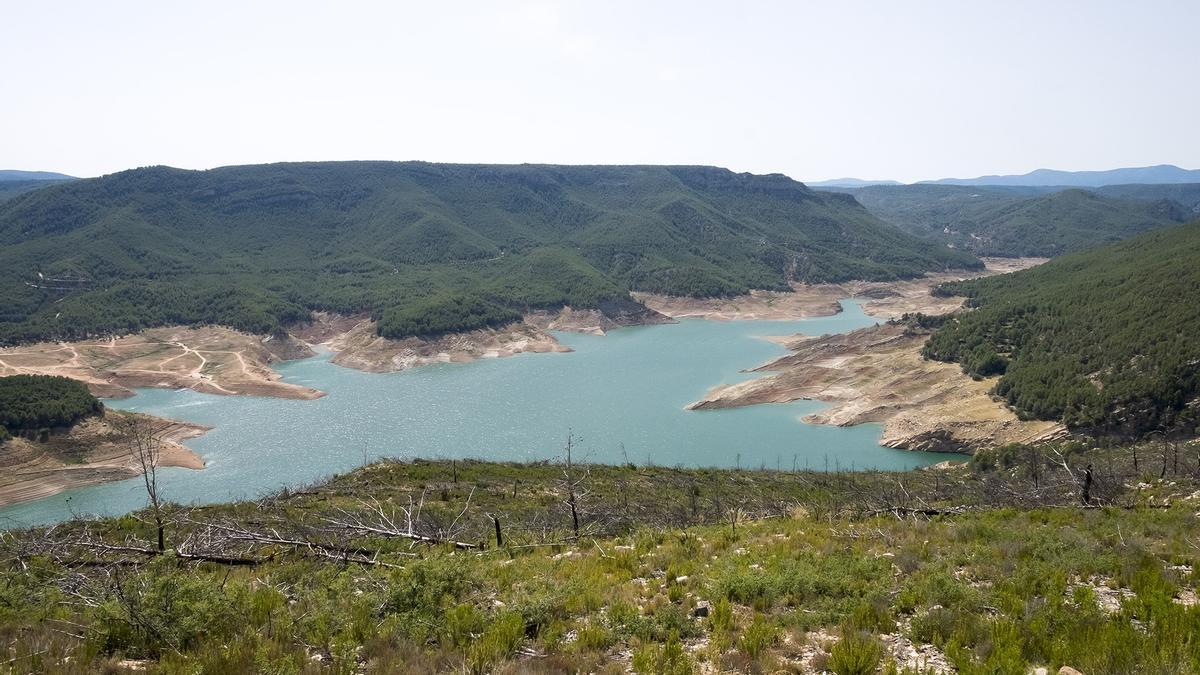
(258, 247)
(1015, 221)
(1104, 338)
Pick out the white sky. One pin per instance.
(902, 90)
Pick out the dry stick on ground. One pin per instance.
(238, 533)
(383, 524)
(452, 531)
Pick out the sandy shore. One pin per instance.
(217, 360)
(90, 453)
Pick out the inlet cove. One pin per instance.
(621, 395)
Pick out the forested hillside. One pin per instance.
(257, 247)
(1186, 194)
(33, 402)
(1022, 221)
(1104, 338)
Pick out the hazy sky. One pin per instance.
(904, 90)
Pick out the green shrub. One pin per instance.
(420, 592)
(759, 636)
(164, 608)
(36, 402)
(462, 623)
(856, 653)
(721, 618)
(667, 658)
(593, 637)
(499, 641)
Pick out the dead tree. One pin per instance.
(1087, 485)
(572, 485)
(143, 438)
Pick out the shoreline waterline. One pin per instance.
(622, 395)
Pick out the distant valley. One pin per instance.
(1028, 221)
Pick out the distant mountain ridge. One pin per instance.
(849, 183)
(1025, 220)
(16, 174)
(1159, 174)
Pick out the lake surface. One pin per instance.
(622, 396)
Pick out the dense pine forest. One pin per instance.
(1104, 338)
(1028, 221)
(34, 402)
(424, 247)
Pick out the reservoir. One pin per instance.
(621, 395)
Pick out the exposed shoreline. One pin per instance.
(877, 374)
(222, 361)
(219, 360)
(207, 359)
(872, 374)
(37, 470)
(885, 299)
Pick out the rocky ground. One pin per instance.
(356, 345)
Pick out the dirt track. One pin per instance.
(210, 359)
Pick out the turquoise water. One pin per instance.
(622, 395)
